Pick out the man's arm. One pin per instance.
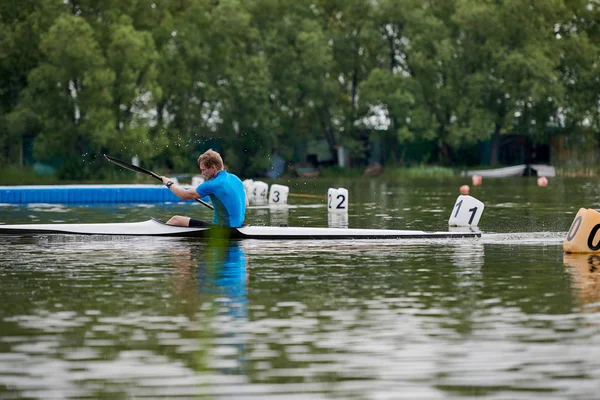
(183, 194)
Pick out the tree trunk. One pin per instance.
(445, 153)
(495, 145)
(443, 148)
(329, 134)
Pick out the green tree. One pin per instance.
(431, 59)
(166, 80)
(395, 86)
(356, 47)
(69, 94)
(512, 56)
(132, 57)
(21, 24)
(577, 36)
(398, 98)
(215, 83)
(299, 61)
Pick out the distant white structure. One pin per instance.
(516, 170)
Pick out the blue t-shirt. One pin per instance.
(227, 194)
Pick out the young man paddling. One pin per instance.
(225, 190)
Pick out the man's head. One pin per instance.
(210, 163)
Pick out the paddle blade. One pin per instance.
(132, 167)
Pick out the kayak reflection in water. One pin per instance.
(223, 277)
(213, 283)
(218, 273)
(223, 273)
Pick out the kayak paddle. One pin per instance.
(141, 170)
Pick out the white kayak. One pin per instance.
(155, 227)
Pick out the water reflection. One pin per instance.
(337, 220)
(222, 274)
(280, 214)
(98, 317)
(166, 318)
(215, 281)
(585, 273)
(469, 255)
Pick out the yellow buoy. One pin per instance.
(583, 235)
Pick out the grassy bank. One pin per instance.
(13, 175)
(421, 171)
(590, 171)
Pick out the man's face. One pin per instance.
(207, 172)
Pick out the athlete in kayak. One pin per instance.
(225, 190)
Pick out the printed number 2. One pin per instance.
(340, 205)
(473, 211)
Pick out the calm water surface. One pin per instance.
(507, 316)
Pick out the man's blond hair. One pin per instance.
(211, 158)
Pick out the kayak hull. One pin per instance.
(155, 227)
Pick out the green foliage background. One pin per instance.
(167, 79)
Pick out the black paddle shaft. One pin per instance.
(141, 170)
(132, 167)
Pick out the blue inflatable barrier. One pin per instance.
(86, 194)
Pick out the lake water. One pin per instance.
(507, 316)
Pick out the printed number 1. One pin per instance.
(457, 208)
(473, 211)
